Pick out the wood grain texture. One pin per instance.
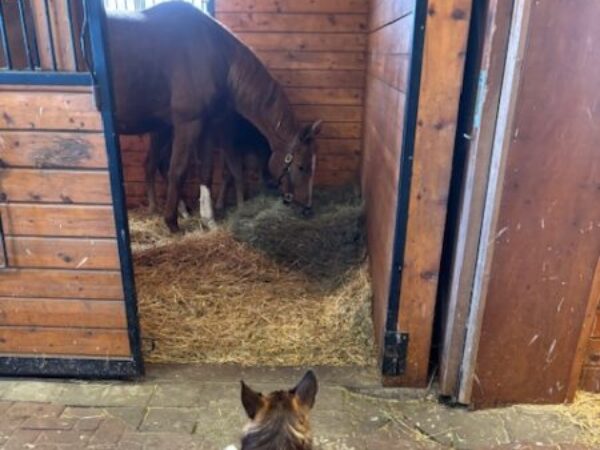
(64, 341)
(303, 23)
(39, 109)
(385, 12)
(65, 284)
(45, 150)
(496, 24)
(50, 312)
(64, 253)
(321, 78)
(57, 220)
(590, 379)
(544, 261)
(441, 80)
(278, 59)
(384, 121)
(306, 42)
(293, 6)
(55, 186)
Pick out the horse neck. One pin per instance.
(261, 100)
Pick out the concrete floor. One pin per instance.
(198, 407)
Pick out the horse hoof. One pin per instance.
(210, 224)
(172, 225)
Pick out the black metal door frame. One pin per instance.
(99, 79)
(395, 344)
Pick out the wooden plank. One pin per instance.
(316, 42)
(320, 78)
(497, 18)
(587, 352)
(61, 33)
(312, 60)
(293, 23)
(596, 328)
(590, 379)
(52, 150)
(547, 205)
(50, 312)
(340, 130)
(46, 283)
(441, 81)
(325, 96)
(65, 253)
(57, 220)
(387, 11)
(48, 110)
(330, 113)
(293, 6)
(55, 186)
(64, 341)
(42, 31)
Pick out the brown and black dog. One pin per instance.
(279, 420)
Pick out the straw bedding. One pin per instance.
(267, 288)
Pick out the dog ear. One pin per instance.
(306, 390)
(252, 401)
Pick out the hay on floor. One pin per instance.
(268, 288)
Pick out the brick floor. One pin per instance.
(177, 411)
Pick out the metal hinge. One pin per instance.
(394, 353)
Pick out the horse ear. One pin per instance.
(252, 401)
(306, 389)
(309, 132)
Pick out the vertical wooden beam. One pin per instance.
(441, 80)
(42, 34)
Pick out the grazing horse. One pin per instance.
(174, 66)
(279, 421)
(237, 139)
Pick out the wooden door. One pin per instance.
(67, 300)
(530, 310)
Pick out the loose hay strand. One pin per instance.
(258, 291)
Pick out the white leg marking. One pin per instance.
(206, 210)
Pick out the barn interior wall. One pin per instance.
(317, 50)
(390, 35)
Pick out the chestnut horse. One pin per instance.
(174, 66)
(279, 421)
(237, 140)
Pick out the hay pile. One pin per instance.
(268, 288)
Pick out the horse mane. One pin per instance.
(259, 97)
(281, 432)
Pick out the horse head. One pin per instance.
(296, 166)
(279, 420)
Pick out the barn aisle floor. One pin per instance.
(197, 407)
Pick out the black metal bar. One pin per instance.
(50, 34)
(14, 366)
(4, 261)
(72, 33)
(407, 151)
(46, 78)
(24, 31)
(4, 35)
(96, 18)
(210, 7)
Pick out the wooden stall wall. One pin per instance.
(390, 40)
(390, 46)
(316, 49)
(61, 292)
(547, 233)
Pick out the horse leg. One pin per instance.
(227, 178)
(207, 216)
(151, 166)
(186, 137)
